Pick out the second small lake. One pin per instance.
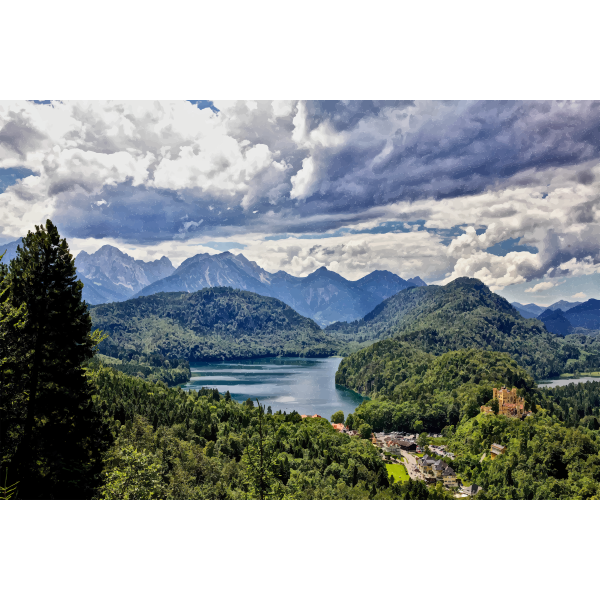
(306, 385)
(560, 382)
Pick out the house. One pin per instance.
(471, 490)
(317, 417)
(352, 432)
(425, 464)
(405, 445)
(496, 450)
(395, 446)
(438, 467)
(449, 477)
(339, 427)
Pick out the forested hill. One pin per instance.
(466, 314)
(211, 324)
(412, 390)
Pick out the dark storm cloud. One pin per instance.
(365, 155)
(19, 136)
(459, 149)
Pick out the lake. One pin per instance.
(558, 382)
(306, 385)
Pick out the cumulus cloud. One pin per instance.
(460, 177)
(408, 254)
(542, 287)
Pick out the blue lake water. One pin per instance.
(560, 382)
(306, 385)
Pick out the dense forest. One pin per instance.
(171, 444)
(211, 324)
(575, 403)
(544, 459)
(411, 390)
(583, 352)
(154, 367)
(466, 314)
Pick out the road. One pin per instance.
(410, 462)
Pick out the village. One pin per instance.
(403, 449)
(404, 457)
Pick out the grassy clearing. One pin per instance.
(398, 471)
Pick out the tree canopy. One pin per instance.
(211, 324)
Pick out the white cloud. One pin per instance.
(542, 287)
(407, 254)
(579, 296)
(260, 155)
(283, 108)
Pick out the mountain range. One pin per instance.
(324, 295)
(110, 275)
(585, 315)
(533, 311)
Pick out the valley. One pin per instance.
(176, 376)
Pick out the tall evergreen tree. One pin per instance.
(12, 381)
(61, 436)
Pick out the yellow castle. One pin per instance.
(509, 404)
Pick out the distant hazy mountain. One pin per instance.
(416, 281)
(529, 311)
(526, 314)
(327, 297)
(563, 305)
(585, 314)
(11, 251)
(556, 322)
(533, 311)
(562, 317)
(110, 275)
(212, 270)
(384, 284)
(323, 295)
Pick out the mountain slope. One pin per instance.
(556, 322)
(586, 314)
(212, 324)
(463, 314)
(529, 311)
(210, 270)
(382, 284)
(330, 296)
(412, 390)
(10, 249)
(115, 275)
(563, 305)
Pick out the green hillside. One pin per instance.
(171, 444)
(411, 390)
(211, 324)
(544, 459)
(466, 314)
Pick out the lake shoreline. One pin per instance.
(306, 385)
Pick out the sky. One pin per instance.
(505, 191)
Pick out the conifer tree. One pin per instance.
(60, 436)
(12, 382)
